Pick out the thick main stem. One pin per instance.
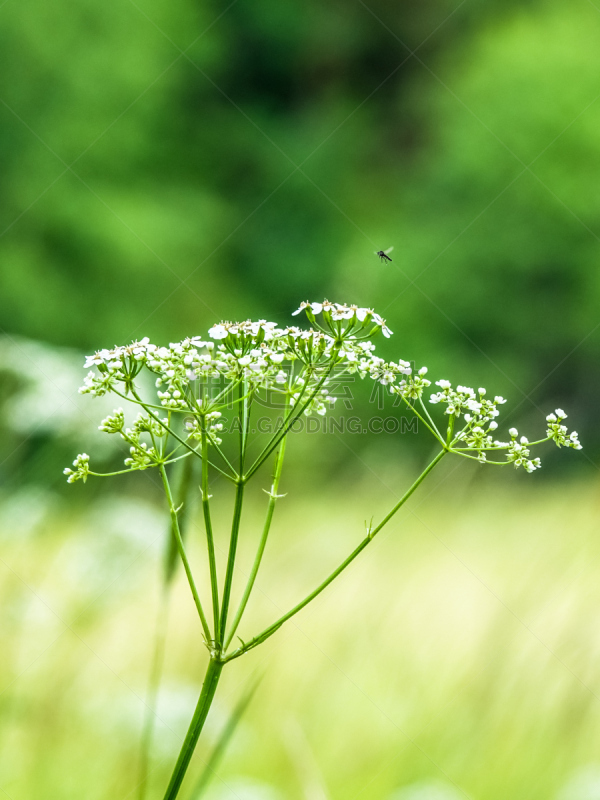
(209, 687)
(211, 765)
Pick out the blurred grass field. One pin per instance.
(458, 657)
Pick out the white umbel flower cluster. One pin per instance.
(413, 386)
(261, 330)
(559, 433)
(115, 358)
(141, 456)
(338, 317)
(205, 378)
(114, 423)
(466, 401)
(518, 452)
(81, 471)
(256, 352)
(479, 415)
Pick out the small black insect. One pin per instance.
(383, 254)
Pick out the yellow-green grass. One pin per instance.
(462, 650)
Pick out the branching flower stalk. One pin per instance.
(205, 387)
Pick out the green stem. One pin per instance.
(268, 449)
(451, 422)
(262, 545)
(212, 764)
(430, 418)
(127, 471)
(247, 411)
(235, 530)
(182, 553)
(431, 429)
(166, 427)
(223, 393)
(212, 560)
(182, 502)
(140, 402)
(474, 458)
(214, 444)
(244, 417)
(209, 687)
(261, 637)
(216, 447)
(489, 449)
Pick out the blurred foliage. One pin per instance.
(167, 166)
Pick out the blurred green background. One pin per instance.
(165, 166)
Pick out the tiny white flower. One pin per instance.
(218, 332)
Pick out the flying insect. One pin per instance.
(383, 254)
